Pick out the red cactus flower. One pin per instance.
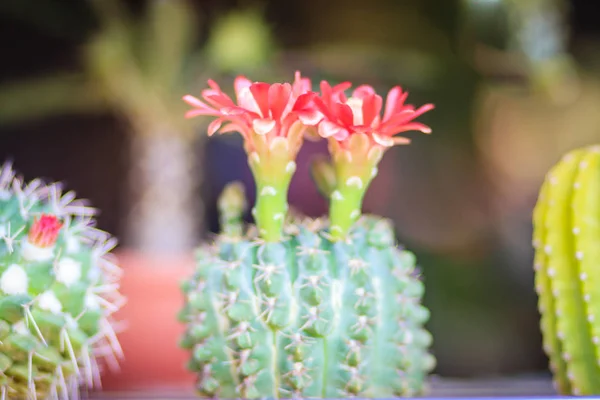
(358, 135)
(44, 231)
(274, 119)
(361, 113)
(263, 109)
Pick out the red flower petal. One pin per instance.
(371, 107)
(413, 126)
(394, 102)
(44, 230)
(344, 113)
(279, 95)
(217, 99)
(326, 93)
(340, 88)
(305, 101)
(260, 92)
(400, 118)
(423, 109)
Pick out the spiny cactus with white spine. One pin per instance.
(59, 286)
(293, 307)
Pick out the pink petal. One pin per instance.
(341, 135)
(215, 125)
(194, 101)
(341, 87)
(400, 118)
(216, 99)
(235, 110)
(233, 127)
(263, 126)
(338, 92)
(363, 91)
(196, 112)
(247, 102)
(301, 85)
(241, 82)
(423, 109)
(413, 126)
(328, 129)
(326, 93)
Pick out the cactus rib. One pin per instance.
(566, 229)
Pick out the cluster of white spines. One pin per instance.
(79, 230)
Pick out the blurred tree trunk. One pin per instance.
(163, 217)
(143, 77)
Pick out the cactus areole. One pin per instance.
(566, 236)
(298, 307)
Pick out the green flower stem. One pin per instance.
(346, 200)
(344, 209)
(272, 176)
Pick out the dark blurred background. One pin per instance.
(90, 95)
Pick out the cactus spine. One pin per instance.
(58, 289)
(566, 235)
(297, 307)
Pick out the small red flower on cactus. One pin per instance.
(44, 231)
(273, 119)
(261, 110)
(358, 135)
(361, 113)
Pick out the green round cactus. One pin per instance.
(566, 236)
(307, 316)
(298, 307)
(58, 289)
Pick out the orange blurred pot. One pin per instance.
(150, 340)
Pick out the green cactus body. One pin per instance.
(566, 236)
(58, 288)
(307, 316)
